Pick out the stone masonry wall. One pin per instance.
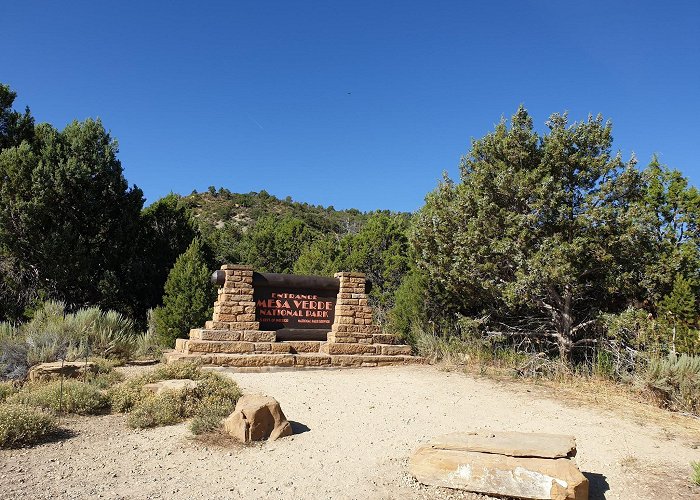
(234, 308)
(353, 314)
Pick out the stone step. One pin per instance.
(292, 360)
(378, 360)
(304, 346)
(233, 335)
(291, 347)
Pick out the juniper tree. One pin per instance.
(188, 297)
(540, 232)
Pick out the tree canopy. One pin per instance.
(542, 233)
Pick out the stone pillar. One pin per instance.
(353, 315)
(234, 308)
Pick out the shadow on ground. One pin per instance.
(298, 428)
(598, 485)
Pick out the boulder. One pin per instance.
(511, 464)
(56, 369)
(171, 385)
(257, 417)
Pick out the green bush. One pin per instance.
(166, 408)
(214, 398)
(23, 425)
(178, 370)
(677, 380)
(75, 397)
(7, 389)
(123, 397)
(105, 380)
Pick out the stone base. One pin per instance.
(293, 360)
(257, 348)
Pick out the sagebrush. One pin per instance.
(22, 425)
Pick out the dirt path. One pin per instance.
(355, 431)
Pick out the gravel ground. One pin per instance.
(355, 429)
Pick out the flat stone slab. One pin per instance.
(57, 369)
(513, 444)
(499, 475)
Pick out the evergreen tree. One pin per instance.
(541, 233)
(678, 310)
(189, 295)
(68, 217)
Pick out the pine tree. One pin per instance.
(188, 295)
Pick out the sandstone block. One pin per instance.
(259, 336)
(244, 325)
(304, 345)
(312, 359)
(219, 346)
(500, 475)
(348, 348)
(216, 325)
(54, 370)
(225, 318)
(237, 267)
(345, 274)
(245, 317)
(203, 334)
(394, 350)
(280, 348)
(236, 289)
(364, 329)
(514, 444)
(349, 338)
(263, 346)
(181, 345)
(252, 360)
(235, 299)
(384, 338)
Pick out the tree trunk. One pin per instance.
(565, 326)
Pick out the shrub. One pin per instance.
(677, 380)
(214, 398)
(695, 475)
(13, 357)
(23, 425)
(75, 397)
(179, 370)
(105, 380)
(7, 389)
(207, 420)
(165, 408)
(123, 397)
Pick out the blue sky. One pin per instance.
(352, 104)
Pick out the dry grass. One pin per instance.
(576, 390)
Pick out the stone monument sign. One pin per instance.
(269, 319)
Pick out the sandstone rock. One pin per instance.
(256, 418)
(171, 385)
(450, 461)
(54, 370)
(514, 444)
